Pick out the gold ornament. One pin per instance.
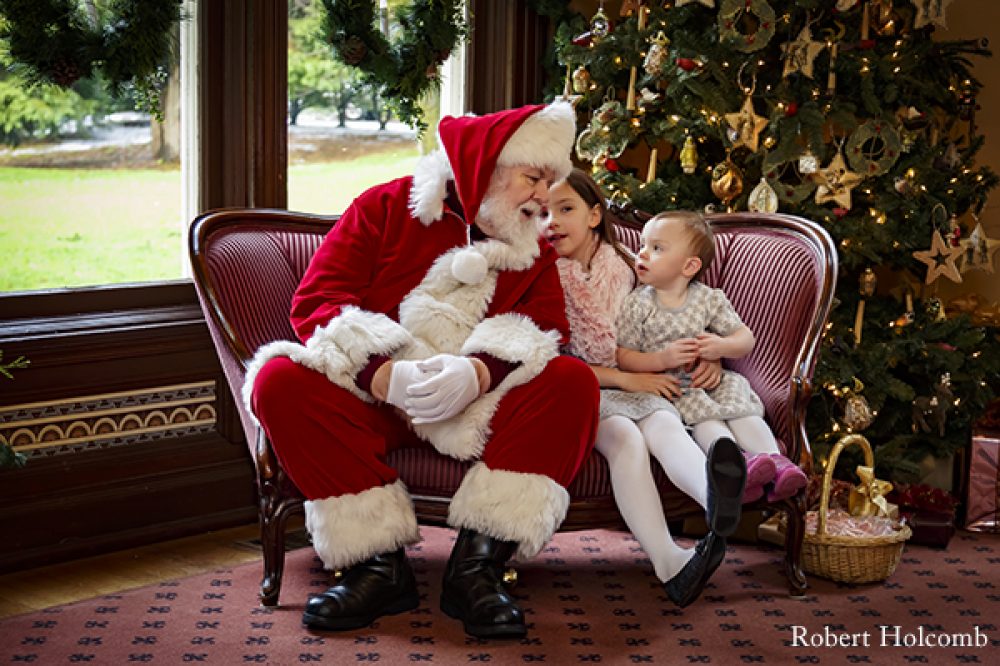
(868, 283)
(836, 182)
(746, 126)
(727, 182)
(510, 577)
(930, 12)
(708, 3)
(801, 54)
(940, 259)
(935, 308)
(581, 80)
(600, 25)
(978, 251)
(689, 156)
(763, 198)
(657, 55)
(858, 413)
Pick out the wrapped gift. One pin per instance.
(983, 488)
(929, 511)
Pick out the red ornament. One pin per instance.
(791, 109)
(611, 165)
(841, 212)
(956, 237)
(866, 44)
(687, 64)
(583, 39)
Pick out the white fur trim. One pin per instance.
(512, 506)
(429, 188)
(338, 350)
(348, 529)
(544, 139)
(513, 338)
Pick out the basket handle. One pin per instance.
(842, 443)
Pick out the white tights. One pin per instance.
(627, 445)
(750, 433)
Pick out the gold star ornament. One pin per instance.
(836, 182)
(940, 259)
(745, 126)
(801, 54)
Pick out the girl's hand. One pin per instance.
(710, 346)
(650, 382)
(678, 353)
(706, 374)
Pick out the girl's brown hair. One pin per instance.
(591, 193)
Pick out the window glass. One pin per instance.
(91, 189)
(341, 137)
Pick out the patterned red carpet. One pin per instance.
(590, 598)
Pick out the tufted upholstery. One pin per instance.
(778, 272)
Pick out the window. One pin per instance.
(342, 138)
(92, 189)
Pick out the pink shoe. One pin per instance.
(760, 471)
(788, 478)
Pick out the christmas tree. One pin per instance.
(845, 112)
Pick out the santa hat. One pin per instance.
(537, 136)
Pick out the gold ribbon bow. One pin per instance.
(868, 497)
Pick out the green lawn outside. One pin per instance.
(79, 227)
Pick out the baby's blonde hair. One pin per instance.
(700, 238)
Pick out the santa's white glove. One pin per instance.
(404, 375)
(452, 386)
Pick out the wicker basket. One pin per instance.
(850, 559)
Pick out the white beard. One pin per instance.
(507, 224)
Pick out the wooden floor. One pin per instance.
(34, 589)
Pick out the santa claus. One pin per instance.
(432, 315)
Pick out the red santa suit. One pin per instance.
(392, 280)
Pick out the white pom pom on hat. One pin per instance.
(469, 266)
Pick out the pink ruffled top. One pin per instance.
(592, 303)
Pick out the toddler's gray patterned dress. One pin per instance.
(646, 326)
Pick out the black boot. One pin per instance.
(473, 590)
(726, 469)
(381, 585)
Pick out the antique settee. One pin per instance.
(779, 272)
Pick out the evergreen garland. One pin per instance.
(406, 68)
(55, 41)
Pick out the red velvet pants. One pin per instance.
(331, 443)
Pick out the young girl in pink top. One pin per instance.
(597, 276)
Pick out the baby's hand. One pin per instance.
(651, 382)
(706, 374)
(678, 353)
(710, 346)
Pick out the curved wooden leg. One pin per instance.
(272, 541)
(795, 527)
